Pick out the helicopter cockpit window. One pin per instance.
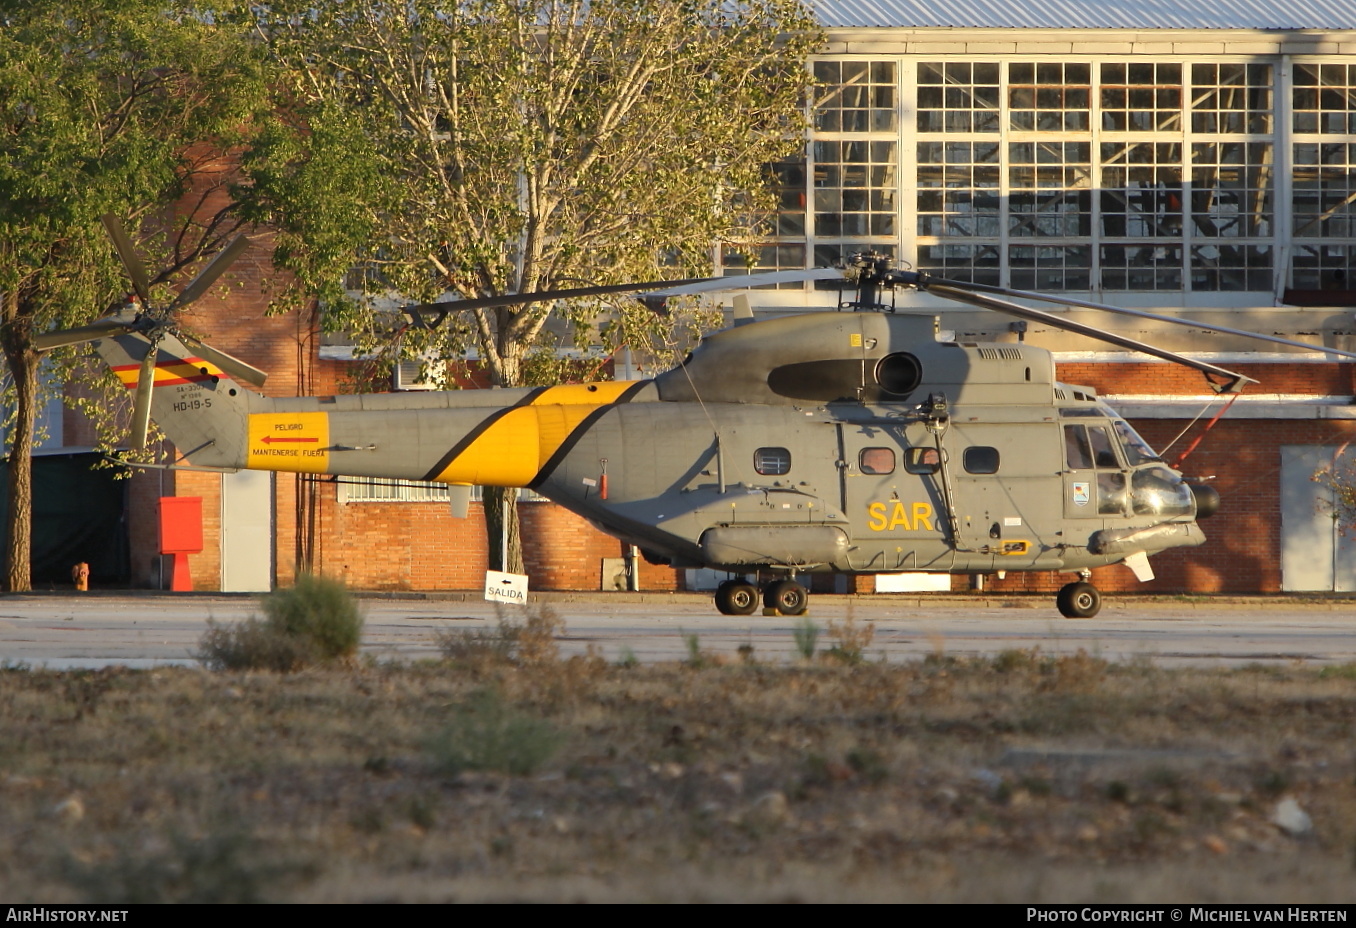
(772, 462)
(1158, 491)
(981, 460)
(922, 460)
(1137, 450)
(1111, 493)
(876, 461)
(1102, 452)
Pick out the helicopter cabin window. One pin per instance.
(772, 462)
(876, 461)
(922, 461)
(1086, 447)
(1077, 451)
(981, 459)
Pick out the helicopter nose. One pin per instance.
(1207, 499)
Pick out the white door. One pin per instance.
(1315, 553)
(247, 536)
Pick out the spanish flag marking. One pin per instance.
(170, 372)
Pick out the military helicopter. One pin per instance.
(851, 441)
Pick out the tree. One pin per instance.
(105, 105)
(493, 147)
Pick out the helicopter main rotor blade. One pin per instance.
(123, 244)
(208, 275)
(109, 325)
(541, 296)
(141, 404)
(1068, 325)
(747, 281)
(228, 363)
(652, 289)
(926, 283)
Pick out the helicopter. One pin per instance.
(851, 441)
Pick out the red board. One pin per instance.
(180, 524)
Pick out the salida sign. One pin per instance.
(502, 587)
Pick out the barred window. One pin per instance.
(386, 490)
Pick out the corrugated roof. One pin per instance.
(1090, 14)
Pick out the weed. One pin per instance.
(746, 653)
(315, 621)
(1036, 786)
(475, 645)
(806, 635)
(627, 658)
(1164, 778)
(816, 773)
(486, 734)
(252, 645)
(850, 639)
(319, 610)
(531, 643)
(1119, 791)
(868, 764)
(423, 811)
(227, 866)
(1079, 672)
(1014, 660)
(1273, 783)
(694, 649)
(537, 639)
(1338, 672)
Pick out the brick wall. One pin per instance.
(421, 546)
(1162, 378)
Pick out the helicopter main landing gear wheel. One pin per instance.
(736, 597)
(786, 596)
(1080, 600)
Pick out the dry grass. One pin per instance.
(1022, 778)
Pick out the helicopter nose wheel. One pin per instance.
(786, 596)
(1079, 600)
(736, 597)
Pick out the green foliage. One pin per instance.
(226, 866)
(485, 734)
(514, 146)
(122, 106)
(111, 105)
(1345, 671)
(806, 635)
(313, 622)
(693, 643)
(319, 610)
(869, 764)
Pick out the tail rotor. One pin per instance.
(154, 323)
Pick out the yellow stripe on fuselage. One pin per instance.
(513, 450)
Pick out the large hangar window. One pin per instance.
(1112, 173)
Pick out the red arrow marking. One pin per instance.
(269, 439)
